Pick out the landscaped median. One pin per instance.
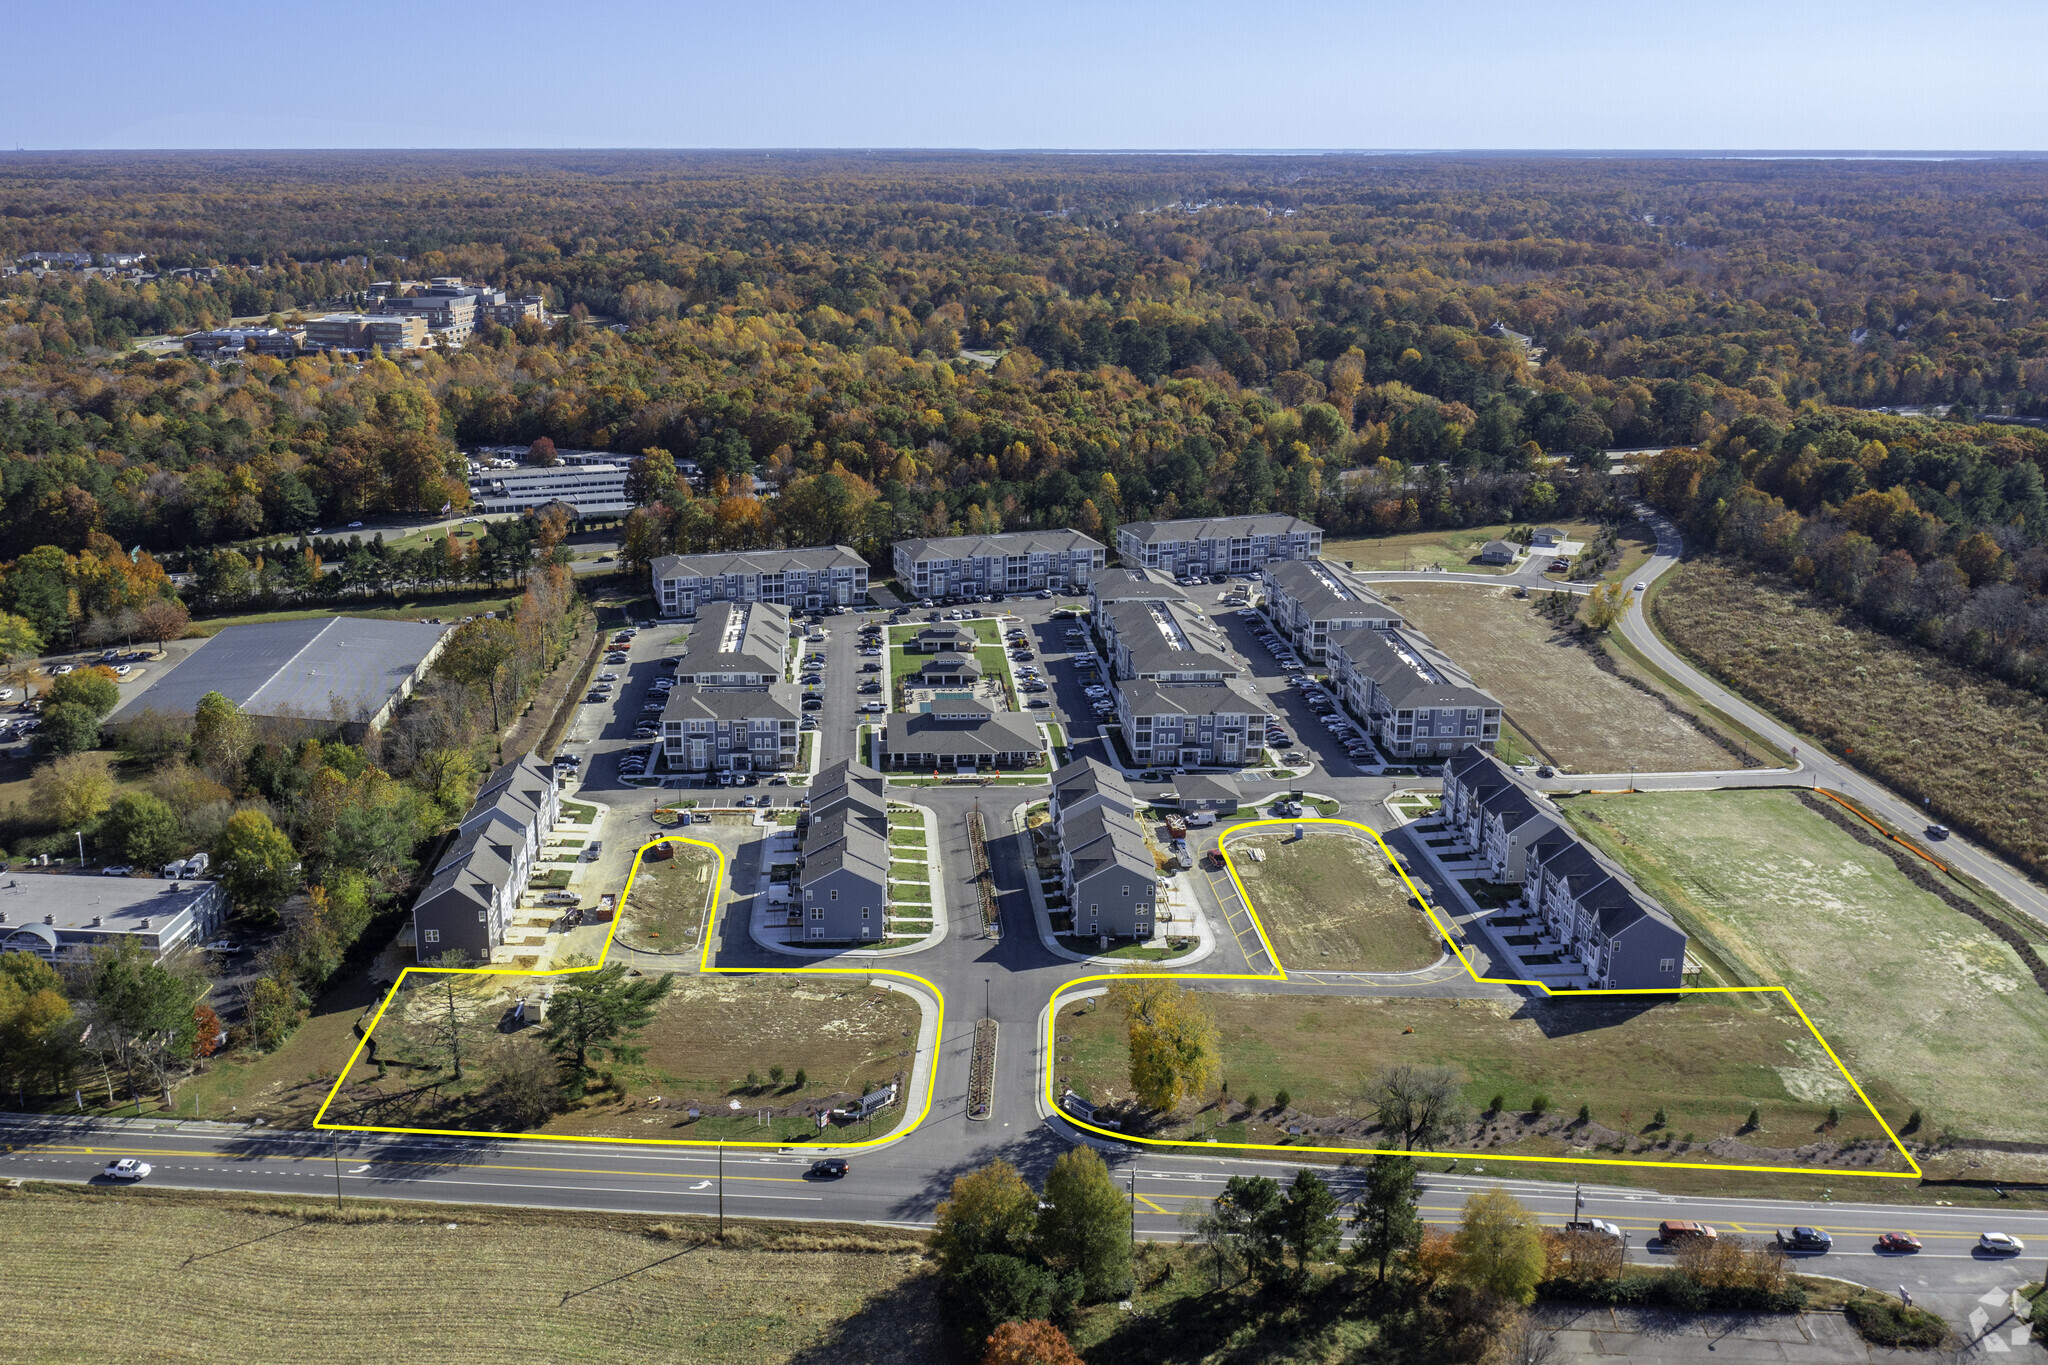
(1733, 1078)
(758, 1057)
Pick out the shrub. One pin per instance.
(1585, 1113)
(1539, 1105)
(1658, 1120)
(1496, 1104)
(1280, 1099)
(1887, 1322)
(1755, 1120)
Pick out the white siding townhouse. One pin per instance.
(1414, 702)
(1213, 545)
(467, 904)
(1307, 599)
(1013, 561)
(805, 579)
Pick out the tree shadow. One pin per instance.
(901, 1323)
(1032, 1153)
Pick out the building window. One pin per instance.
(1665, 964)
(864, 911)
(835, 893)
(1127, 893)
(817, 912)
(430, 935)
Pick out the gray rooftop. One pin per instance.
(1191, 699)
(776, 701)
(1168, 636)
(736, 637)
(321, 668)
(1116, 585)
(808, 559)
(73, 899)
(1216, 528)
(1413, 673)
(1004, 544)
(1328, 592)
(962, 727)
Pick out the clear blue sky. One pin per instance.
(1463, 74)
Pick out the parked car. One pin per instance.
(869, 707)
(116, 870)
(814, 704)
(1596, 1227)
(1037, 703)
(127, 1168)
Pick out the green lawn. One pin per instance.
(1908, 990)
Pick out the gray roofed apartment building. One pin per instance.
(1213, 545)
(1308, 599)
(1125, 584)
(1409, 696)
(956, 732)
(1007, 562)
(1107, 871)
(801, 579)
(1192, 724)
(730, 709)
(1590, 914)
(467, 903)
(842, 871)
(350, 671)
(1164, 640)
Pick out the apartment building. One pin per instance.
(842, 870)
(592, 489)
(1125, 584)
(361, 332)
(1164, 640)
(810, 578)
(1213, 545)
(1408, 696)
(1189, 724)
(1107, 870)
(1306, 599)
(731, 709)
(1588, 913)
(467, 904)
(1017, 561)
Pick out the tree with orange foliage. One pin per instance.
(1029, 1343)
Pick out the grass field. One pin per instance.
(449, 607)
(238, 1278)
(989, 653)
(1928, 728)
(1583, 718)
(666, 907)
(1908, 990)
(710, 1035)
(1330, 902)
(1704, 1060)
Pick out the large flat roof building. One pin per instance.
(58, 916)
(594, 490)
(347, 670)
(957, 732)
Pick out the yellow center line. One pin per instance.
(1149, 1204)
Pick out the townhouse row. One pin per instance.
(1107, 872)
(842, 868)
(1587, 913)
(467, 904)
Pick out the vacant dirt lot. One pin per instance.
(1908, 990)
(1704, 1060)
(1330, 903)
(712, 1033)
(1584, 718)
(665, 907)
(163, 1276)
(1974, 746)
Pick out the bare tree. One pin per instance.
(1418, 1106)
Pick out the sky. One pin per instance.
(1265, 74)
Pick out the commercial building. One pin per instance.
(1202, 792)
(467, 904)
(809, 578)
(952, 733)
(60, 916)
(594, 490)
(1189, 724)
(842, 869)
(1409, 697)
(730, 709)
(1107, 871)
(1589, 916)
(323, 672)
(1307, 599)
(1015, 561)
(948, 670)
(281, 342)
(1214, 545)
(362, 332)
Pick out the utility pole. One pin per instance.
(1134, 1203)
(335, 1146)
(81, 850)
(721, 1190)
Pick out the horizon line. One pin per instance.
(1689, 153)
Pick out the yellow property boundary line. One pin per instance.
(703, 965)
(1279, 973)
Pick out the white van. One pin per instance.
(195, 866)
(1199, 818)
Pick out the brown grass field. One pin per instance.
(665, 909)
(1583, 718)
(1331, 903)
(1977, 748)
(1705, 1060)
(713, 1030)
(169, 1276)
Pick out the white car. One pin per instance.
(2000, 1243)
(1642, 587)
(127, 1168)
(871, 707)
(355, 526)
(123, 670)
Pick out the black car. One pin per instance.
(831, 1168)
(813, 704)
(1811, 1240)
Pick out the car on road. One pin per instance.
(127, 1168)
(2000, 1243)
(1806, 1241)
(1595, 1227)
(1937, 831)
(1672, 1232)
(1642, 587)
(355, 526)
(831, 1168)
(1898, 1243)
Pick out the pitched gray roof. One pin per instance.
(808, 559)
(736, 637)
(1216, 528)
(1191, 699)
(1162, 636)
(777, 701)
(1411, 672)
(1329, 593)
(1006, 543)
(953, 731)
(1201, 787)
